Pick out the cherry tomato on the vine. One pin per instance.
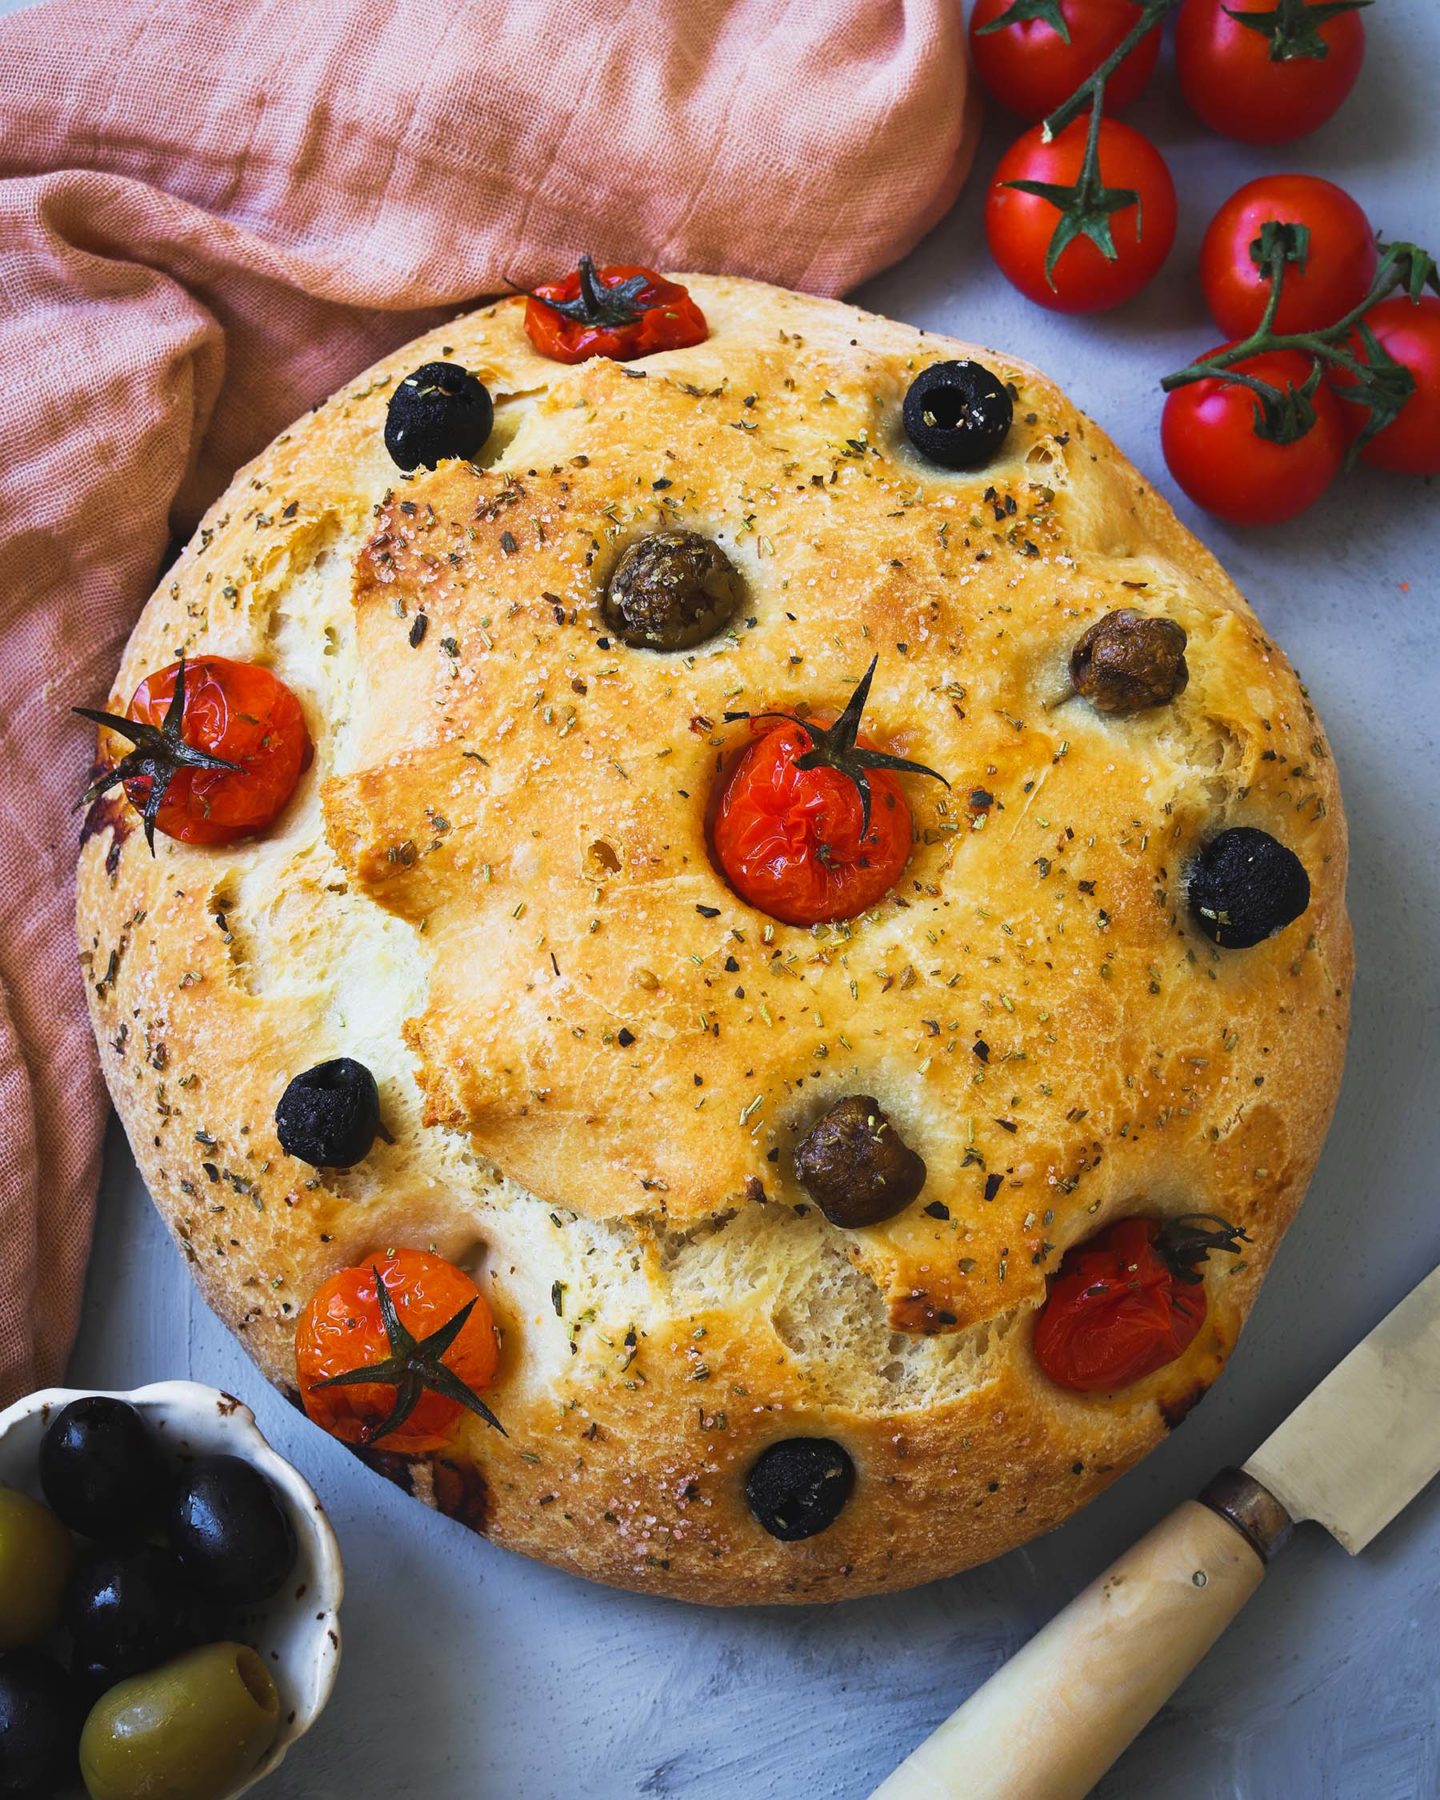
(1029, 67)
(1127, 1302)
(342, 1330)
(1333, 277)
(621, 311)
(1270, 80)
(1207, 431)
(1019, 226)
(1409, 331)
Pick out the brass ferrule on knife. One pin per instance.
(1252, 1509)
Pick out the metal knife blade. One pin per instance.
(1360, 1447)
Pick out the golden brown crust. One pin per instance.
(494, 888)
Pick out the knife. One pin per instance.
(1049, 1723)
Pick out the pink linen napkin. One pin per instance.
(213, 213)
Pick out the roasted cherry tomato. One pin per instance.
(1269, 70)
(1332, 276)
(1207, 431)
(1019, 226)
(344, 1331)
(789, 840)
(621, 311)
(1128, 1301)
(218, 749)
(1031, 68)
(816, 842)
(1409, 331)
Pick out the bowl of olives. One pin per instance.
(169, 1597)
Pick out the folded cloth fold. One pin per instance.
(212, 213)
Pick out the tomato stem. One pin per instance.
(834, 746)
(1019, 12)
(1185, 1241)
(413, 1365)
(1086, 207)
(1293, 26)
(159, 754)
(598, 302)
(1380, 384)
(1093, 86)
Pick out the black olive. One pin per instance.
(1128, 661)
(957, 414)
(89, 1680)
(855, 1165)
(441, 410)
(230, 1531)
(797, 1487)
(128, 1609)
(330, 1115)
(101, 1470)
(1244, 886)
(40, 1720)
(671, 590)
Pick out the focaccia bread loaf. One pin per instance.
(493, 887)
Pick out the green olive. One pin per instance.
(671, 591)
(189, 1730)
(36, 1555)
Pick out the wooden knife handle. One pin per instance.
(1049, 1723)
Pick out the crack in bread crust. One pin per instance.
(494, 888)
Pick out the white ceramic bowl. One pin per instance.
(298, 1631)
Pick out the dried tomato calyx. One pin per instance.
(1185, 1241)
(159, 755)
(600, 304)
(413, 1365)
(834, 746)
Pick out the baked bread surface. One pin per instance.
(493, 887)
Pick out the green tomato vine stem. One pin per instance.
(1093, 86)
(1086, 206)
(1380, 384)
(1292, 27)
